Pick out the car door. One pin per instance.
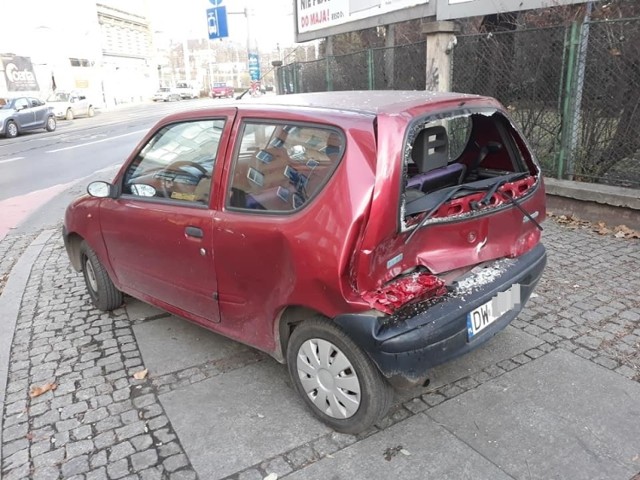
(158, 231)
(39, 112)
(25, 116)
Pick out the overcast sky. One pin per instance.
(271, 21)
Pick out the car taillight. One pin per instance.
(526, 242)
(403, 290)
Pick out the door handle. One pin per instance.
(194, 232)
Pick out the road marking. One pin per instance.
(97, 141)
(11, 159)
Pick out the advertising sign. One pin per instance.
(19, 74)
(318, 14)
(254, 67)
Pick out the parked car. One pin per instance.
(221, 90)
(360, 237)
(166, 94)
(186, 90)
(20, 114)
(69, 105)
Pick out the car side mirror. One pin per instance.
(72, 100)
(100, 189)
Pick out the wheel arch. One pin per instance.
(290, 317)
(72, 243)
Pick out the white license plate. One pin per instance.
(483, 316)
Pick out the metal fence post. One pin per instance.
(567, 102)
(328, 74)
(579, 88)
(370, 69)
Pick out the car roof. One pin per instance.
(364, 101)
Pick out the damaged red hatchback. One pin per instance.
(360, 237)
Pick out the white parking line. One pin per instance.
(97, 141)
(11, 159)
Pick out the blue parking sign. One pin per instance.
(217, 22)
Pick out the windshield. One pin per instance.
(219, 85)
(58, 97)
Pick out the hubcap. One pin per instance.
(12, 130)
(328, 378)
(91, 276)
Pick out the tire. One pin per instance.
(364, 396)
(104, 295)
(91, 111)
(69, 115)
(51, 124)
(11, 129)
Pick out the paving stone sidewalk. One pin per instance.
(101, 423)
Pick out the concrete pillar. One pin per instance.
(389, 54)
(440, 42)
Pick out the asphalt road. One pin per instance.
(36, 167)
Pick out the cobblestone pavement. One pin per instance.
(10, 250)
(101, 423)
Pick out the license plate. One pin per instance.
(483, 316)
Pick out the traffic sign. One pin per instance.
(217, 22)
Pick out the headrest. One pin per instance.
(430, 149)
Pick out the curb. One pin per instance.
(10, 301)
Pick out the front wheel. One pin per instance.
(69, 115)
(91, 112)
(11, 129)
(104, 295)
(51, 124)
(336, 379)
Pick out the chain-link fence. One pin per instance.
(574, 91)
(522, 69)
(604, 128)
(392, 68)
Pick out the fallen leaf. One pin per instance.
(141, 375)
(620, 235)
(36, 391)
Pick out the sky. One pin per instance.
(271, 21)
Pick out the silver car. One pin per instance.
(69, 105)
(25, 113)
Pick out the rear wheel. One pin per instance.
(336, 379)
(104, 295)
(11, 130)
(51, 124)
(91, 112)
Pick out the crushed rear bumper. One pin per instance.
(405, 346)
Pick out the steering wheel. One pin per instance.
(175, 166)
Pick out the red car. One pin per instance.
(221, 90)
(359, 237)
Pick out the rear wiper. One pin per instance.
(479, 186)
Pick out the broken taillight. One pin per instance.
(403, 290)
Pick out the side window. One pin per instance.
(281, 167)
(177, 163)
(21, 103)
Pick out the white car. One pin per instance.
(69, 105)
(166, 94)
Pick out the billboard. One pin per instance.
(323, 18)
(19, 74)
(315, 15)
(452, 9)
